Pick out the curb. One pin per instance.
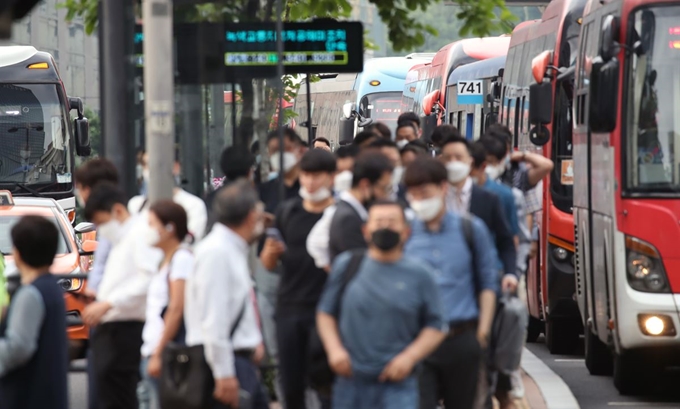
(555, 391)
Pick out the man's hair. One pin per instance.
(478, 153)
(168, 212)
(236, 162)
(348, 151)
(455, 139)
(288, 133)
(322, 140)
(385, 202)
(407, 124)
(408, 117)
(381, 130)
(443, 133)
(372, 166)
(494, 146)
(382, 143)
(417, 146)
(234, 203)
(94, 171)
(318, 160)
(36, 239)
(501, 132)
(363, 136)
(102, 199)
(423, 171)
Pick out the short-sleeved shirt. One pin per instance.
(382, 310)
(181, 266)
(507, 199)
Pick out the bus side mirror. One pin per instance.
(540, 112)
(429, 123)
(88, 248)
(77, 104)
(604, 81)
(85, 227)
(346, 136)
(609, 48)
(82, 129)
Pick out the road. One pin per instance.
(598, 392)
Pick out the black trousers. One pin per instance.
(116, 354)
(249, 384)
(293, 331)
(451, 373)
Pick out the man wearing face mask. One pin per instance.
(460, 251)
(119, 309)
(301, 282)
(391, 151)
(406, 315)
(406, 132)
(292, 151)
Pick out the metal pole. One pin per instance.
(159, 96)
(233, 112)
(116, 20)
(279, 74)
(309, 112)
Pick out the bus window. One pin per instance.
(521, 116)
(562, 194)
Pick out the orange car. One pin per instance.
(74, 256)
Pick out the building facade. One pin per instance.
(76, 53)
(375, 30)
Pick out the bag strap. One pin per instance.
(146, 200)
(239, 317)
(468, 232)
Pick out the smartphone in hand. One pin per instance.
(275, 234)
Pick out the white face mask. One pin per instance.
(111, 231)
(494, 172)
(151, 236)
(320, 195)
(145, 175)
(397, 175)
(289, 161)
(343, 181)
(402, 143)
(140, 171)
(458, 171)
(427, 209)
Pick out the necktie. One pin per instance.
(459, 201)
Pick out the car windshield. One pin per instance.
(383, 107)
(34, 138)
(653, 129)
(6, 224)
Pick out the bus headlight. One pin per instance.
(656, 325)
(644, 267)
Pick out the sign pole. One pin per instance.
(309, 111)
(279, 74)
(159, 96)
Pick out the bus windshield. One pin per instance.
(34, 139)
(653, 128)
(382, 107)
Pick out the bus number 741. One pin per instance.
(470, 87)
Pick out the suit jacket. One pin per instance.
(487, 206)
(346, 230)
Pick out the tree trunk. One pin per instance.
(216, 140)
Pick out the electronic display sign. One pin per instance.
(219, 53)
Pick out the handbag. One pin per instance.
(186, 380)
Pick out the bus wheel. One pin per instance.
(598, 355)
(561, 336)
(628, 374)
(534, 329)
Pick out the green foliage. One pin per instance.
(95, 132)
(87, 9)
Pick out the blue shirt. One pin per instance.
(447, 252)
(95, 275)
(383, 309)
(507, 199)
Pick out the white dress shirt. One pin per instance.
(458, 200)
(129, 268)
(215, 294)
(197, 213)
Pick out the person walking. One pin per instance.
(218, 297)
(33, 346)
(379, 316)
(165, 300)
(467, 283)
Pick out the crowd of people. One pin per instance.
(376, 280)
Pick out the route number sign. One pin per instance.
(470, 92)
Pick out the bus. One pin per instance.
(472, 112)
(344, 103)
(537, 107)
(38, 139)
(429, 95)
(626, 189)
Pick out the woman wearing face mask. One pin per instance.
(165, 299)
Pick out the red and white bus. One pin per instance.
(627, 188)
(551, 43)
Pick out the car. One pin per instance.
(72, 262)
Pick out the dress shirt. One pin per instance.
(458, 200)
(197, 213)
(446, 251)
(129, 268)
(215, 294)
(94, 277)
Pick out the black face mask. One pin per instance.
(385, 239)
